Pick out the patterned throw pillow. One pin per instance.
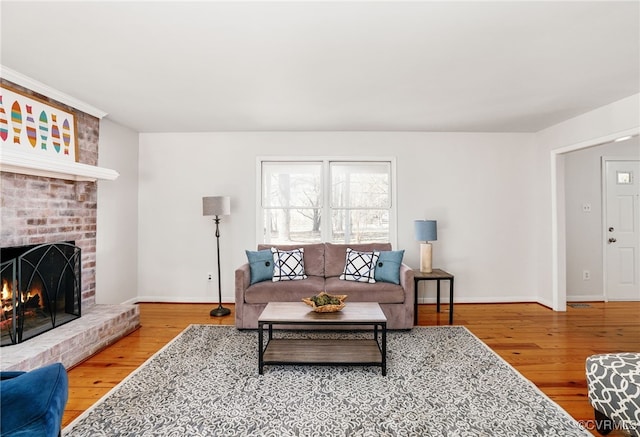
(360, 266)
(288, 265)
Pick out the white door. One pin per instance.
(622, 233)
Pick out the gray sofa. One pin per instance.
(323, 264)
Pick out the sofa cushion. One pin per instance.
(335, 254)
(284, 291)
(360, 266)
(288, 265)
(260, 265)
(388, 266)
(313, 256)
(381, 292)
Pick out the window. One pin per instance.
(356, 196)
(291, 201)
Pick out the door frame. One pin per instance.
(603, 164)
(558, 211)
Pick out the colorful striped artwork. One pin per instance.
(55, 133)
(31, 127)
(31, 124)
(66, 135)
(16, 119)
(44, 130)
(4, 124)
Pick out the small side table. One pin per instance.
(436, 275)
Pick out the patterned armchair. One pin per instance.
(614, 391)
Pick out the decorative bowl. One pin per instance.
(326, 308)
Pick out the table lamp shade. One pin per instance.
(216, 205)
(426, 230)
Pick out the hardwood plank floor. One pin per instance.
(549, 348)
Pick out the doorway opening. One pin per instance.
(567, 269)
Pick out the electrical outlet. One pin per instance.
(586, 275)
(209, 277)
(586, 207)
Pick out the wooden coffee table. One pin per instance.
(318, 351)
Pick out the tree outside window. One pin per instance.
(296, 195)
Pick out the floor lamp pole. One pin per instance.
(220, 311)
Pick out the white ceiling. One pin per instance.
(159, 66)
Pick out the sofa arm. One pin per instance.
(408, 284)
(242, 281)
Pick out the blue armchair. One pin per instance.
(32, 403)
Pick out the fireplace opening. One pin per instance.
(41, 289)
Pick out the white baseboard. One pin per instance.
(496, 299)
(545, 302)
(430, 300)
(165, 299)
(130, 301)
(585, 298)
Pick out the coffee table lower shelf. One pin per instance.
(323, 352)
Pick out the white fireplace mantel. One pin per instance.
(26, 163)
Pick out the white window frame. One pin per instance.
(326, 201)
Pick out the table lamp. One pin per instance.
(426, 230)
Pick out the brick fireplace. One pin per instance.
(39, 209)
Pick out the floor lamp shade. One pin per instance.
(425, 231)
(216, 205)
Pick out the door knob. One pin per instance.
(612, 240)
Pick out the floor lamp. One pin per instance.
(217, 206)
(426, 230)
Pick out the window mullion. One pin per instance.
(327, 213)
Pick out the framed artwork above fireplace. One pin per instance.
(34, 126)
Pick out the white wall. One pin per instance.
(583, 182)
(491, 194)
(597, 126)
(117, 221)
(478, 186)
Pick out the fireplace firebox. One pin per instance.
(41, 289)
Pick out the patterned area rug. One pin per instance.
(441, 381)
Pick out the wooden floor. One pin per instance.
(547, 347)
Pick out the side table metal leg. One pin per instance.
(451, 301)
(438, 296)
(415, 301)
(260, 351)
(384, 349)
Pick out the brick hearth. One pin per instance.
(99, 326)
(36, 210)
